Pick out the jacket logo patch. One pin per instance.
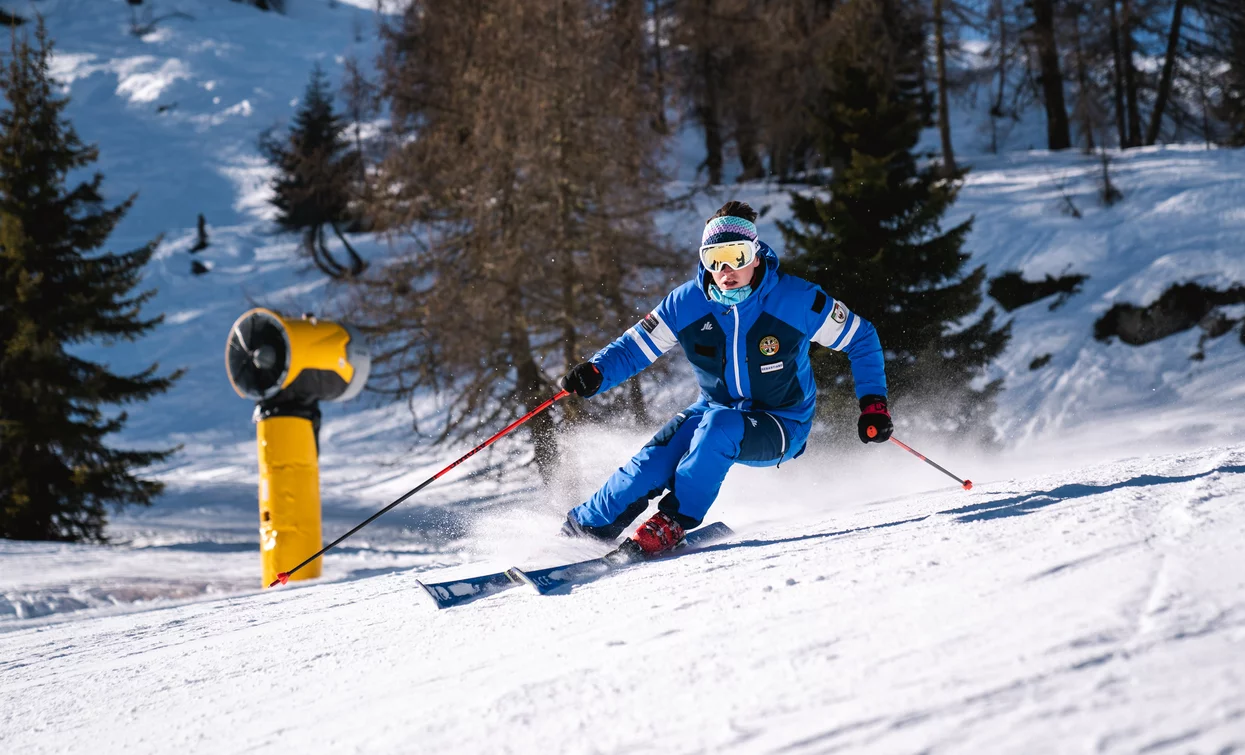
(649, 323)
(768, 346)
(706, 326)
(838, 314)
(753, 421)
(775, 367)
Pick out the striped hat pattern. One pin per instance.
(720, 230)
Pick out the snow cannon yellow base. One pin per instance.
(289, 496)
(287, 366)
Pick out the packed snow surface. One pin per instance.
(1087, 596)
(1097, 609)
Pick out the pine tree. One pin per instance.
(57, 290)
(874, 237)
(316, 172)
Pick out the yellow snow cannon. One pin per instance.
(288, 366)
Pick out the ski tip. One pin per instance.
(432, 594)
(968, 484)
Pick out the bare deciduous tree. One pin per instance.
(520, 189)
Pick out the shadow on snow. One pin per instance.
(1017, 505)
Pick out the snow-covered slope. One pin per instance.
(1100, 609)
(1087, 595)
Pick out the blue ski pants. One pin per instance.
(690, 457)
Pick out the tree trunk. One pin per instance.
(1084, 95)
(531, 387)
(635, 395)
(1204, 95)
(1165, 80)
(944, 118)
(659, 71)
(1130, 77)
(709, 117)
(357, 265)
(1058, 135)
(1117, 76)
(996, 110)
(709, 110)
(746, 141)
(313, 244)
(562, 231)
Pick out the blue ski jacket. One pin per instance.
(754, 355)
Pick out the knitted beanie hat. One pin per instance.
(728, 228)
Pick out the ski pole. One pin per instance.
(966, 484)
(284, 576)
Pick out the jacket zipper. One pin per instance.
(738, 385)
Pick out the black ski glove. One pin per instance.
(875, 422)
(583, 380)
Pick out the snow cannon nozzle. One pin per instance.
(968, 484)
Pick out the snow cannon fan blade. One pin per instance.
(257, 355)
(312, 359)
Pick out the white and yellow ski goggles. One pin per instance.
(732, 254)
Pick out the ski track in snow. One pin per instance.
(1087, 596)
(1095, 610)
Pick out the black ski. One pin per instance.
(554, 578)
(459, 591)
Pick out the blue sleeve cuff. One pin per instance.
(868, 362)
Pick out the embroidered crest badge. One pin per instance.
(768, 346)
(839, 313)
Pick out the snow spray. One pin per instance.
(284, 576)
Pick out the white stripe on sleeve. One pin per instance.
(639, 341)
(850, 334)
(663, 337)
(833, 326)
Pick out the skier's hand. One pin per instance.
(875, 422)
(583, 380)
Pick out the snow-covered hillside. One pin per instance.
(1087, 595)
(1181, 220)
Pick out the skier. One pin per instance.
(745, 327)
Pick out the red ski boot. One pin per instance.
(658, 535)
